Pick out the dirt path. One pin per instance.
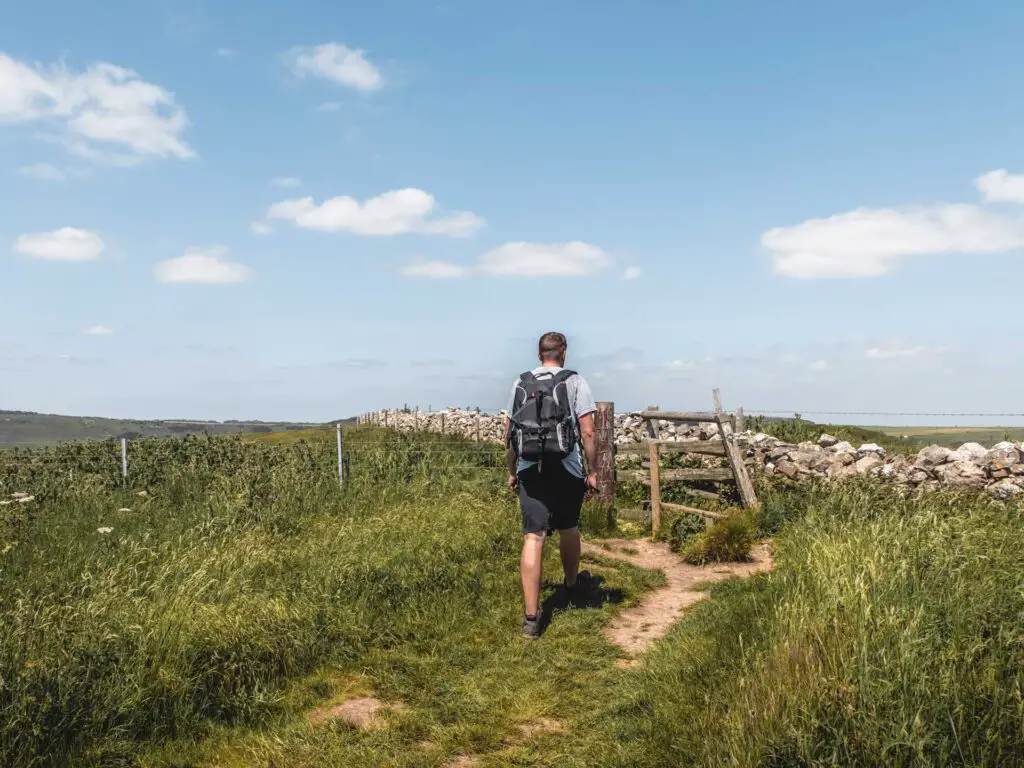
(636, 628)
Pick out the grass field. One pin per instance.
(245, 591)
(954, 436)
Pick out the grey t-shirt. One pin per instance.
(581, 402)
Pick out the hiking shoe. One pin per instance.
(531, 627)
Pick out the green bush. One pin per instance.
(682, 528)
(729, 540)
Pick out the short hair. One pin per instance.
(552, 346)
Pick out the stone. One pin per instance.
(842, 447)
(827, 441)
(837, 469)
(787, 468)
(970, 452)
(867, 463)
(761, 438)
(1005, 490)
(933, 456)
(844, 458)
(1005, 453)
(963, 474)
(917, 476)
(870, 448)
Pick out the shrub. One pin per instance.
(728, 540)
(683, 528)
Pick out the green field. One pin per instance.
(245, 591)
(954, 436)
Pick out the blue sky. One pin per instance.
(307, 210)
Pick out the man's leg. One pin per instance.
(569, 549)
(530, 567)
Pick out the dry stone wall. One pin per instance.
(999, 469)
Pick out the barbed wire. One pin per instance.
(795, 411)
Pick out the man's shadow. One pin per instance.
(591, 594)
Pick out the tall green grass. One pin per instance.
(242, 566)
(890, 633)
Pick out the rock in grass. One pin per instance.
(933, 456)
(1005, 490)
(827, 441)
(867, 463)
(970, 452)
(962, 474)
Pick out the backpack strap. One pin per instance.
(564, 375)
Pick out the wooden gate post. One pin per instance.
(604, 423)
(655, 459)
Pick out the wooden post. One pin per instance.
(385, 418)
(124, 459)
(652, 426)
(604, 423)
(478, 425)
(655, 489)
(442, 422)
(341, 468)
(741, 420)
(739, 469)
(718, 400)
(416, 419)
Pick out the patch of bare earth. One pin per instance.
(464, 761)
(361, 713)
(541, 726)
(636, 628)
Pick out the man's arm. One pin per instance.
(511, 460)
(589, 437)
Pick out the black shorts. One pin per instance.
(550, 500)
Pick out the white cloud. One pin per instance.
(105, 113)
(226, 53)
(894, 351)
(819, 365)
(544, 260)
(867, 242)
(97, 330)
(64, 244)
(42, 172)
(337, 63)
(1001, 186)
(521, 260)
(681, 365)
(329, 106)
(202, 266)
(434, 269)
(398, 212)
(631, 273)
(259, 228)
(286, 181)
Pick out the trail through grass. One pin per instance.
(244, 591)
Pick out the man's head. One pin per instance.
(551, 349)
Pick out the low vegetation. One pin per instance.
(204, 612)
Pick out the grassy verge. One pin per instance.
(890, 633)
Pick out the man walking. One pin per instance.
(551, 414)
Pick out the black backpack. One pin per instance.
(543, 426)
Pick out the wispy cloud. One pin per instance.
(338, 63)
(97, 330)
(399, 212)
(868, 242)
(202, 266)
(64, 244)
(105, 113)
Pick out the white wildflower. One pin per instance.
(25, 499)
(104, 530)
(124, 509)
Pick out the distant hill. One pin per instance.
(26, 429)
